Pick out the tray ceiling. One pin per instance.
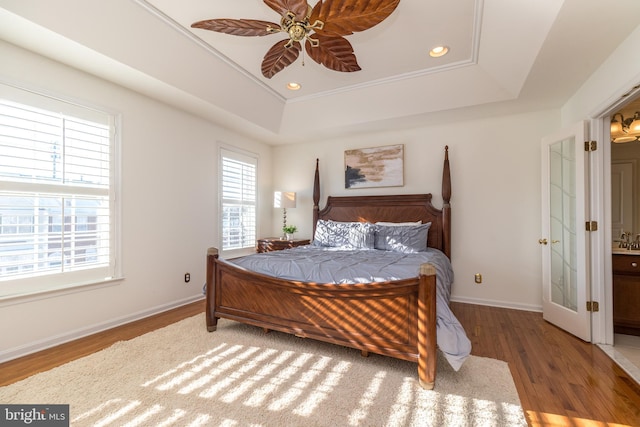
(504, 55)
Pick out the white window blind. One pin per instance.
(238, 189)
(55, 194)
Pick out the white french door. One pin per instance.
(565, 241)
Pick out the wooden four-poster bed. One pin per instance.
(395, 318)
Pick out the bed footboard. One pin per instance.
(396, 319)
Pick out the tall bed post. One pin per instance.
(212, 320)
(316, 198)
(427, 360)
(446, 208)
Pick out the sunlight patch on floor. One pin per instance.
(110, 419)
(404, 402)
(181, 366)
(259, 395)
(172, 420)
(141, 419)
(487, 410)
(305, 381)
(543, 419)
(367, 400)
(323, 391)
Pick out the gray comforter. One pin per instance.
(334, 265)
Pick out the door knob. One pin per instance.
(542, 241)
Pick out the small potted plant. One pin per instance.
(288, 231)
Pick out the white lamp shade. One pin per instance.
(616, 129)
(284, 199)
(634, 128)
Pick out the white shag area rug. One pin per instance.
(182, 375)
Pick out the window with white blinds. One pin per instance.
(55, 194)
(238, 190)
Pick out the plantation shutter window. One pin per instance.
(238, 190)
(56, 196)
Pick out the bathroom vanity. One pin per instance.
(626, 292)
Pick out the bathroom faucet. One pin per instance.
(626, 241)
(623, 240)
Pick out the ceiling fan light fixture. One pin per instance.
(329, 21)
(293, 86)
(438, 51)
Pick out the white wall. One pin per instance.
(168, 206)
(606, 87)
(495, 167)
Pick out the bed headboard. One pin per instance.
(393, 208)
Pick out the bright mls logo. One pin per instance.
(34, 415)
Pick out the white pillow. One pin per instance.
(348, 235)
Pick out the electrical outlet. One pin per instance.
(187, 277)
(478, 278)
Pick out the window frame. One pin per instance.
(42, 284)
(246, 157)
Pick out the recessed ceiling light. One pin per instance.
(293, 86)
(438, 51)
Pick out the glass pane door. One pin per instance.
(564, 240)
(562, 188)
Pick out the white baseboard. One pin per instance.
(501, 304)
(16, 352)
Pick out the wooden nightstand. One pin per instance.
(277, 244)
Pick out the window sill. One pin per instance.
(23, 298)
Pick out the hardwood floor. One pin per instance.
(21, 368)
(561, 380)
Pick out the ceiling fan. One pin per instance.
(321, 27)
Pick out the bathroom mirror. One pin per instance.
(625, 180)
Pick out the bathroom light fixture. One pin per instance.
(438, 51)
(284, 200)
(293, 86)
(625, 130)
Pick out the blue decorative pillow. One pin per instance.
(401, 238)
(348, 235)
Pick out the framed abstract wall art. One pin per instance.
(374, 167)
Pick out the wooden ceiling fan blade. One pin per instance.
(334, 52)
(346, 17)
(237, 27)
(279, 57)
(298, 7)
